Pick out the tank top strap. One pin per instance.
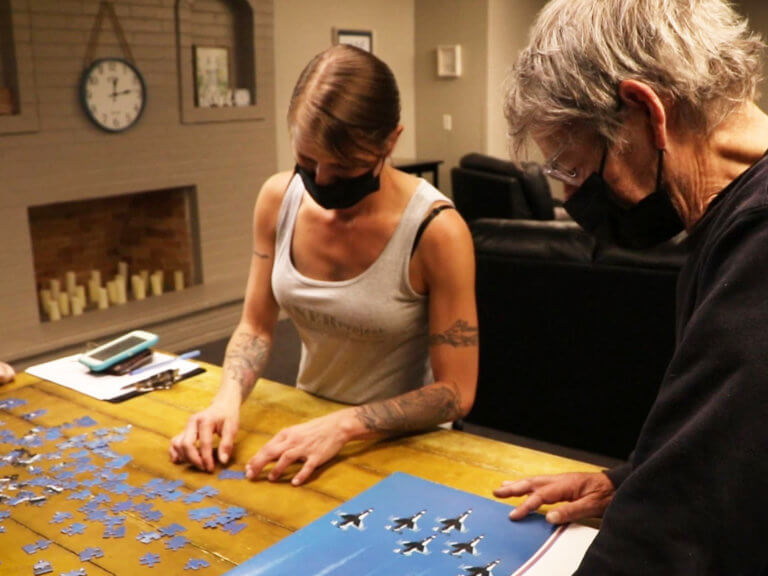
(286, 218)
(418, 208)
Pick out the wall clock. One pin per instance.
(113, 94)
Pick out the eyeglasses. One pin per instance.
(559, 172)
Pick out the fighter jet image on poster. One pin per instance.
(460, 548)
(355, 520)
(449, 524)
(409, 548)
(400, 524)
(408, 526)
(486, 570)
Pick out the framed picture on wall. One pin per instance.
(362, 39)
(449, 61)
(213, 88)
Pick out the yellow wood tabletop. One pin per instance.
(274, 510)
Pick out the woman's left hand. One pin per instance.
(314, 443)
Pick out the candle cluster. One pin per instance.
(72, 299)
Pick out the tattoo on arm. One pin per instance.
(260, 255)
(460, 334)
(417, 410)
(245, 359)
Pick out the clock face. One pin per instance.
(113, 94)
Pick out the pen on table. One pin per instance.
(185, 356)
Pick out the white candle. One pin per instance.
(54, 313)
(45, 300)
(55, 289)
(120, 297)
(157, 284)
(77, 307)
(178, 280)
(103, 302)
(70, 281)
(138, 287)
(80, 295)
(122, 269)
(112, 292)
(64, 304)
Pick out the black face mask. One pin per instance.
(649, 222)
(343, 193)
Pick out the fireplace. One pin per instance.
(91, 255)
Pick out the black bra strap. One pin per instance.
(424, 223)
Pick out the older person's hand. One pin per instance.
(587, 495)
(6, 373)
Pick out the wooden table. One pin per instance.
(275, 510)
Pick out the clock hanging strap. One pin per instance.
(106, 9)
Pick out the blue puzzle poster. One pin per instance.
(408, 526)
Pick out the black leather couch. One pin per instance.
(575, 334)
(488, 187)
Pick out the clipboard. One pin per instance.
(70, 373)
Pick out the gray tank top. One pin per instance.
(366, 338)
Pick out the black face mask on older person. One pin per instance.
(343, 193)
(651, 221)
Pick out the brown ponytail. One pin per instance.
(348, 101)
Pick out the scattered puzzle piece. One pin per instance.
(149, 559)
(78, 572)
(147, 537)
(91, 553)
(76, 528)
(196, 564)
(172, 529)
(42, 567)
(176, 543)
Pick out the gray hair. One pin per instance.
(698, 55)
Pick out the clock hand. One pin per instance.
(123, 92)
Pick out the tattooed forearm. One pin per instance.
(417, 410)
(460, 334)
(245, 359)
(260, 255)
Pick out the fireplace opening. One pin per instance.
(90, 255)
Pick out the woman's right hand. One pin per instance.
(195, 444)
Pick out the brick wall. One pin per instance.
(69, 159)
(149, 231)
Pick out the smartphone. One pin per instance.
(118, 349)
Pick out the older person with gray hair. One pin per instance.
(645, 110)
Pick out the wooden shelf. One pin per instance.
(246, 66)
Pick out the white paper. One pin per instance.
(71, 373)
(562, 553)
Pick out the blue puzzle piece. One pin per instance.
(11, 403)
(172, 529)
(147, 537)
(4, 514)
(193, 498)
(203, 513)
(78, 572)
(150, 559)
(85, 421)
(30, 548)
(42, 544)
(196, 564)
(233, 527)
(152, 515)
(114, 532)
(82, 495)
(91, 553)
(119, 462)
(232, 475)
(122, 506)
(42, 567)
(76, 528)
(60, 517)
(29, 416)
(208, 491)
(176, 543)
